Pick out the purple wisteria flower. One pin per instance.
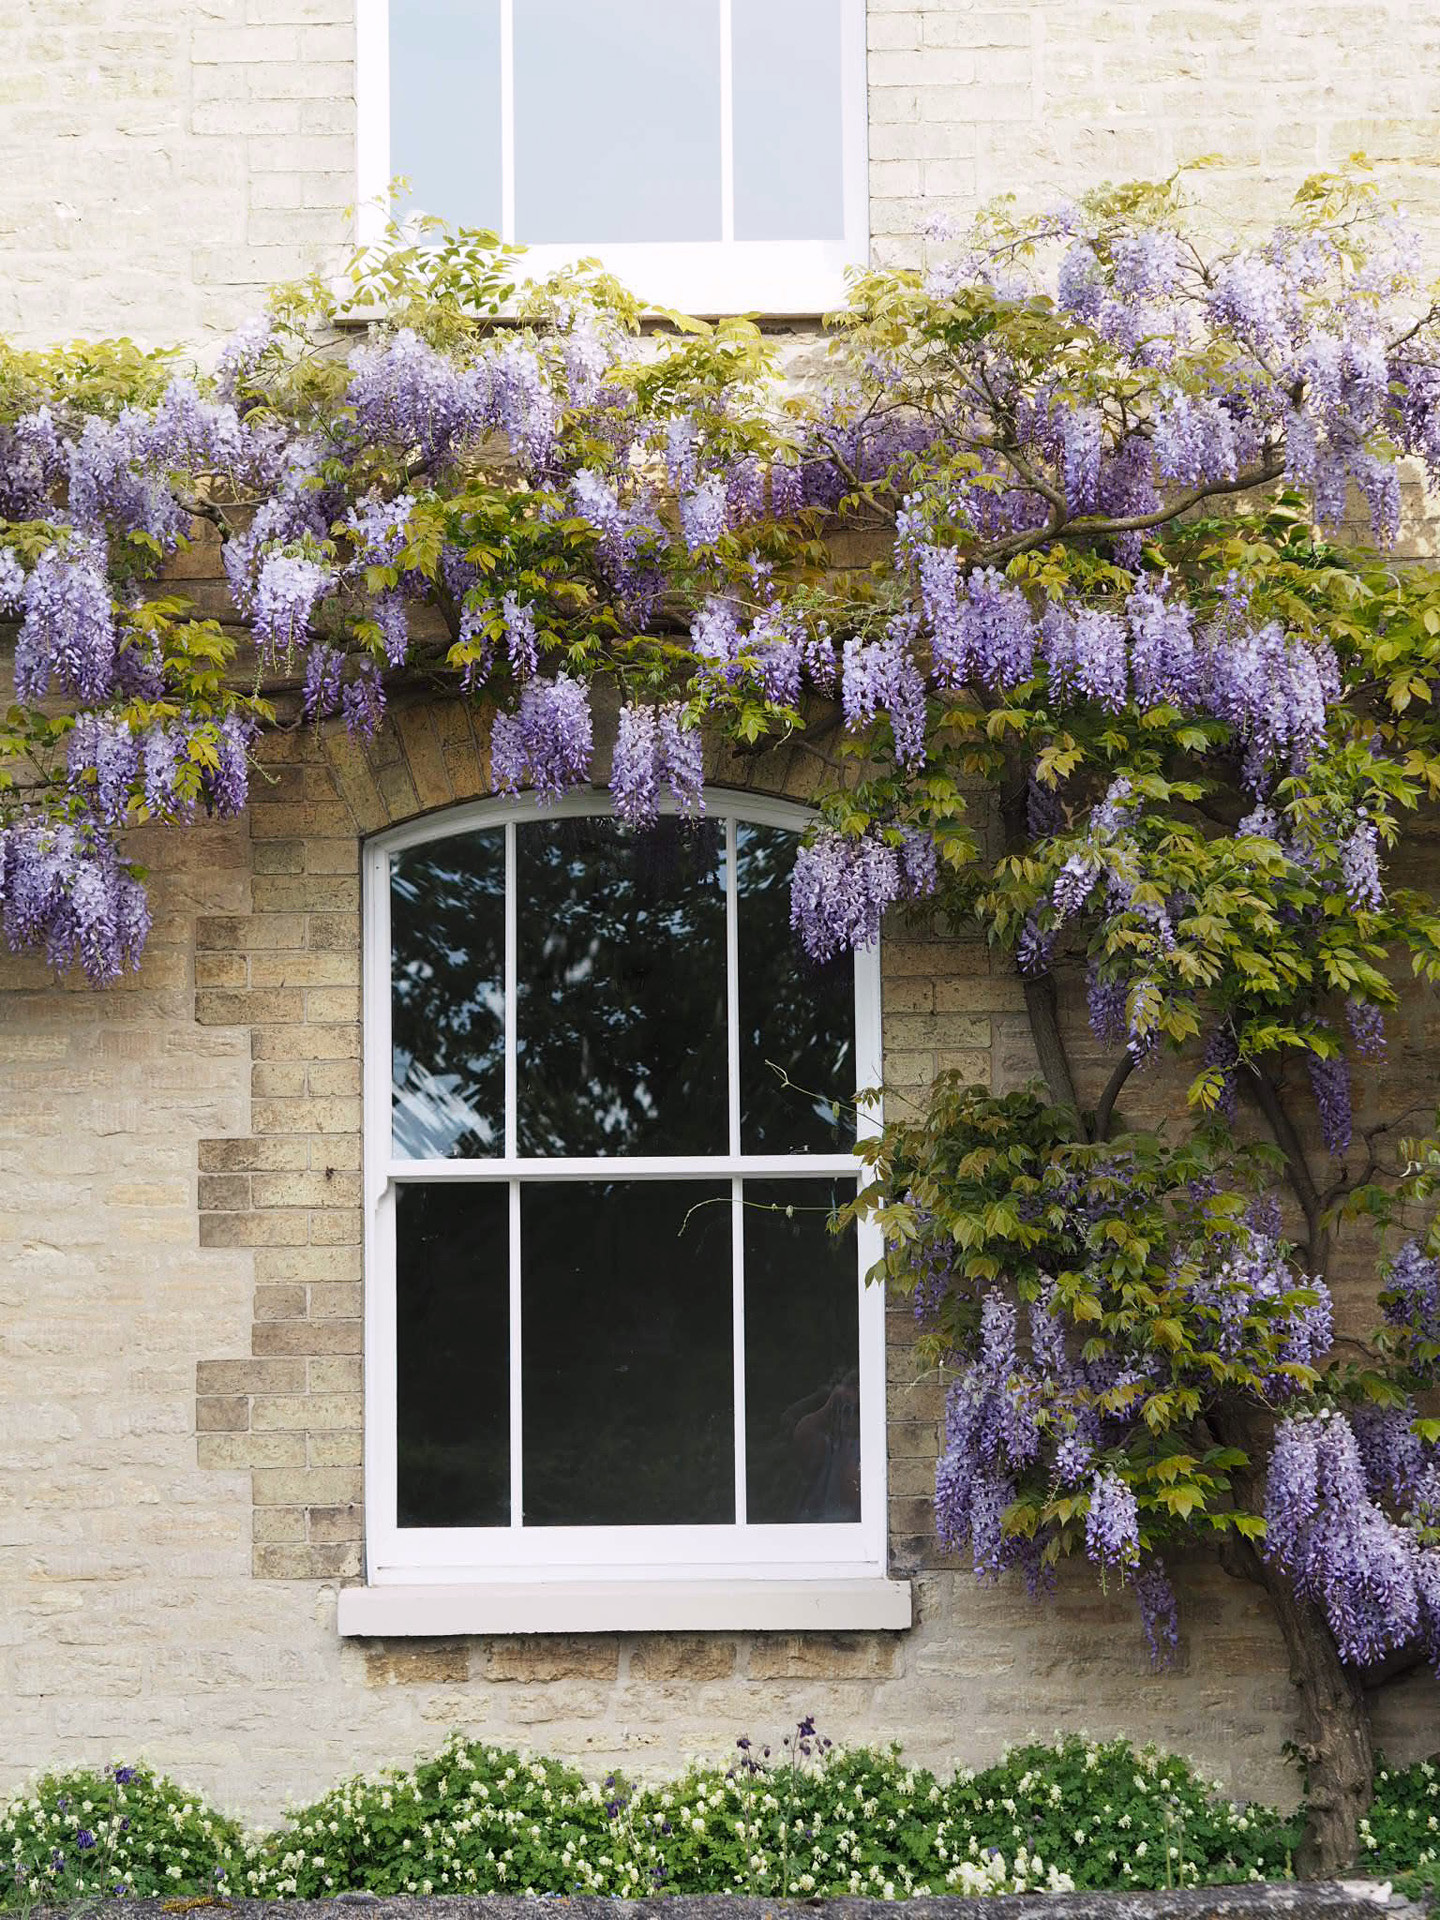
(880, 676)
(1112, 1522)
(1085, 655)
(1369, 1575)
(703, 513)
(12, 582)
(289, 588)
(842, 885)
(653, 745)
(1159, 1615)
(1105, 1001)
(64, 887)
(362, 702)
(103, 763)
(1330, 1083)
(242, 354)
(1162, 648)
(547, 743)
(69, 626)
(1360, 866)
(406, 394)
(985, 632)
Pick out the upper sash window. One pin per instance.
(709, 152)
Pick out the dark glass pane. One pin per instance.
(452, 1333)
(802, 1355)
(787, 120)
(447, 999)
(628, 1354)
(621, 988)
(794, 1016)
(589, 75)
(445, 106)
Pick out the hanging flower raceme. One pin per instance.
(290, 587)
(1085, 655)
(547, 743)
(1112, 1522)
(68, 632)
(405, 393)
(1375, 1584)
(103, 761)
(1411, 1303)
(842, 886)
(64, 887)
(1330, 1083)
(880, 676)
(653, 745)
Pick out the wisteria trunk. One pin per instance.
(1335, 1742)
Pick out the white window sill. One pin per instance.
(627, 1606)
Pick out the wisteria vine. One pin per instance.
(1075, 552)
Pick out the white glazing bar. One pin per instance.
(732, 979)
(727, 124)
(720, 1166)
(737, 1269)
(511, 1140)
(372, 117)
(507, 119)
(517, 1464)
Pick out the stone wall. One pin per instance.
(163, 161)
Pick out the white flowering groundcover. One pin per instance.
(803, 1818)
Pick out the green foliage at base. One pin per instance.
(127, 1830)
(803, 1817)
(1401, 1833)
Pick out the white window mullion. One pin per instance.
(727, 123)
(737, 1269)
(507, 119)
(511, 1141)
(732, 980)
(517, 1464)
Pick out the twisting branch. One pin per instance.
(1266, 1096)
(1105, 1110)
(1040, 1004)
(1039, 990)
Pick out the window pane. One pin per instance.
(628, 1368)
(452, 1331)
(802, 1356)
(617, 120)
(447, 1002)
(793, 1014)
(787, 120)
(621, 988)
(445, 106)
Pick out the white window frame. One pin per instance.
(513, 1578)
(800, 277)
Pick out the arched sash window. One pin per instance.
(614, 1350)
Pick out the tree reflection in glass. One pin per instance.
(627, 1353)
(447, 999)
(452, 1359)
(792, 1013)
(802, 1355)
(620, 989)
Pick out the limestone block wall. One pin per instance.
(163, 161)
